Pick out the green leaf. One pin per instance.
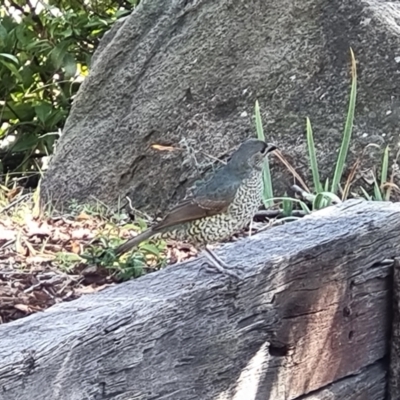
(55, 117)
(120, 13)
(58, 53)
(325, 199)
(8, 23)
(259, 126)
(303, 205)
(385, 166)
(54, 27)
(27, 77)
(319, 202)
(287, 206)
(366, 195)
(268, 192)
(377, 190)
(326, 185)
(150, 248)
(67, 32)
(24, 35)
(38, 46)
(17, 110)
(43, 112)
(12, 68)
(4, 38)
(88, 59)
(141, 223)
(69, 65)
(332, 197)
(313, 158)
(3, 35)
(10, 57)
(48, 141)
(347, 129)
(25, 142)
(98, 23)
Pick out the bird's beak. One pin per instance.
(269, 147)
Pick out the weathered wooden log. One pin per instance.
(369, 384)
(308, 320)
(394, 381)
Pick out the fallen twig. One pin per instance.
(303, 194)
(278, 214)
(14, 203)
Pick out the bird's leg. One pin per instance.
(219, 264)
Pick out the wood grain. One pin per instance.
(394, 381)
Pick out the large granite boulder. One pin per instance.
(186, 74)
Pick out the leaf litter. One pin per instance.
(41, 263)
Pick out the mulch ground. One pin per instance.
(31, 276)
(35, 262)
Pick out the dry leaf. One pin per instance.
(32, 251)
(41, 296)
(75, 247)
(82, 233)
(42, 258)
(60, 236)
(35, 230)
(23, 307)
(13, 192)
(91, 289)
(161, 147)
(18, 246)
(82, 217)
(6, 235)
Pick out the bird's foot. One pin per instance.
(217, 264)
(212, 267)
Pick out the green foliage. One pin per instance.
(132, 265)
(287, 206)
(288, 202)
(148, 255)
(66, 261)
(267, 180)
(347, 129)
(382, 190)
(45, 51)
(313, 157)
(326, 197)
(324, 194)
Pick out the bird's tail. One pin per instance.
(132, 243)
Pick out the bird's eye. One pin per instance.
(268, 148)
(263, 151)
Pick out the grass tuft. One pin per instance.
(267, 179)
(327, 194)
(313, 158)
(344, 148)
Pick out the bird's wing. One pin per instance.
(211, 198)
(186, 212)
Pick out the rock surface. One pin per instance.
(187, 74)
